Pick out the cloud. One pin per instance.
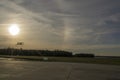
(65, 23)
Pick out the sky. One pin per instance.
(89, 26)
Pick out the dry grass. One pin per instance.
(110, 61)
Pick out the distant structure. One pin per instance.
(20, 44)
(84, 55)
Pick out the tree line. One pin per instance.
(54, 53)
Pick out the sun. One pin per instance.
(14, 29)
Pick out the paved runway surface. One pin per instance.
(31, 70)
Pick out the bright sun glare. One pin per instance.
(14, 29)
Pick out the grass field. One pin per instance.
(110, 61)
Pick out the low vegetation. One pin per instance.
(108, 61)
(57, 56)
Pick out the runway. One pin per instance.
(36, 70)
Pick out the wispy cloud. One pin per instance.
(64, 23)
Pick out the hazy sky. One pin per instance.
(76, 25)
